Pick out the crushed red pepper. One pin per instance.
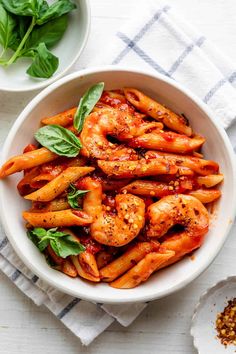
(226, 324)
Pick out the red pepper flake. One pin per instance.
(226, 324)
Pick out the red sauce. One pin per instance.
(54, 168)
(29, 147)
(148, 201)
(118, 102)
(168, 136)
(91, 245)
(80, 214)
(110, 201)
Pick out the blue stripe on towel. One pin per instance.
(3, 243)
(67, 309)
(142, 54)
(141, 33)
(34, 279)
(218, 85)
(232, 77)
(15, 275)
(185, 53)
(214, 89)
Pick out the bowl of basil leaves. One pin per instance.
(40, 40)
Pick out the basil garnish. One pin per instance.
(59, 140)
(73, 196)
(86, 104)
(63, 244)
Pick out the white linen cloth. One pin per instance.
(156, 39)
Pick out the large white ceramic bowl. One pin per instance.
(68, 50)
(64, 94)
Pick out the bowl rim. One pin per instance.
(55, 77)
(122, 298)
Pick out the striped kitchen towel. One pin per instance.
(155, 39)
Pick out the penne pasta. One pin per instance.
(142, 271)
(51, 170)
(85, 263)
(25, 185)
(25, 161)
(206, 195)
(59, 184)
(68, 268)
(60, 218)
(55, 205)
(81, 272)
(167, 141)
(200, 166)
(210, 180)
(64, 118)
(89, 263)
(157, 111)
(148, 188)
(127, 260)
(109, 185)
(103, 258)
(140, 168)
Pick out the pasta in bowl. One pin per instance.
(120, 187)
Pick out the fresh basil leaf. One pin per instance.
(66, 246)
(50, 33)
(58, 140)
(63, 244)
(57, 9)
(55, 233)
(22, 25)
(7, 28)
(73, 196)
(39, 232)
(43, 8)
(23, 7)
(86, 104)
(44, 64)
(43, 244)
(39, 243)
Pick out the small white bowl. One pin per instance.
(212, 302)
(64, 94)
(68, 50)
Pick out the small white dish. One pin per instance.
(68, 50)
(212, 302)
(64, 94)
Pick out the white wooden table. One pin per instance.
(164, 326)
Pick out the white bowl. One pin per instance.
(64, 94)
(212, 302)
(68, 50)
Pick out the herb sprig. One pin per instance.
(30, 28)
(63, 244)
(74, 195)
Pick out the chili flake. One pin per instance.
(226, 324)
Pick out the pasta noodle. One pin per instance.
(157, 111)
(57, 218)
(63, 119)
(25, 161)
(55, 187)
(127, 260)
(142, 271)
